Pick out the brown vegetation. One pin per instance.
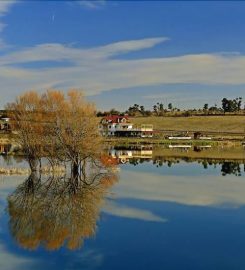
(60, 210)
(58, 127)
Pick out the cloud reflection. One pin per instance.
(202, 190)
(133, 213)
(10, 261)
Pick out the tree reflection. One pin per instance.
(231, 168)
(59, 211)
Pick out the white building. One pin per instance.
(110, 124)
(120, 126)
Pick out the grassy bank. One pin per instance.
(220, 124)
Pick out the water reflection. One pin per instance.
(58, 211)
(137, 155)
(227, 167)
(232, 168)
(184, 210)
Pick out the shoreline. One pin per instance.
(158, 141)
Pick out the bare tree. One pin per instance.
(62, 128)
(26, 120)
(72, 129)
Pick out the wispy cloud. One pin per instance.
(92, 4)
(178, 97)
(4, 8)
(99, 69)
(59, 52)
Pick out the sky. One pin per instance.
(124, 52)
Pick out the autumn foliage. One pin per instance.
(58, 211)
(62, 128)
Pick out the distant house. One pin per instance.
(120, 126)
(4, 124)
(110, 124)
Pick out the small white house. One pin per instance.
(117, 125)
(110, 124)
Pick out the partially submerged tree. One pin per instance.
(72, 129)
(61, 210)
(62, 128)
(26, 120)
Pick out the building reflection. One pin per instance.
(59, 211)
(124, 155)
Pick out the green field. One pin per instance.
(195, 123)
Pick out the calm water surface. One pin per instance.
(184, 216)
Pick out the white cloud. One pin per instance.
(129, 212)
(59, 52)
(129, 46)
(98, 69)
(180, 97)
(4, 8)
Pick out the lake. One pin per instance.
(161, 213)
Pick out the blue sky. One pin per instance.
(124, 52)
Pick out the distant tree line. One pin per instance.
(233, 106)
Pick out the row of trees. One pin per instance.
(160, 109)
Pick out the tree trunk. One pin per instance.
(33, 164)
(75, 168)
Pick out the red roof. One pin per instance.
(115, 118)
